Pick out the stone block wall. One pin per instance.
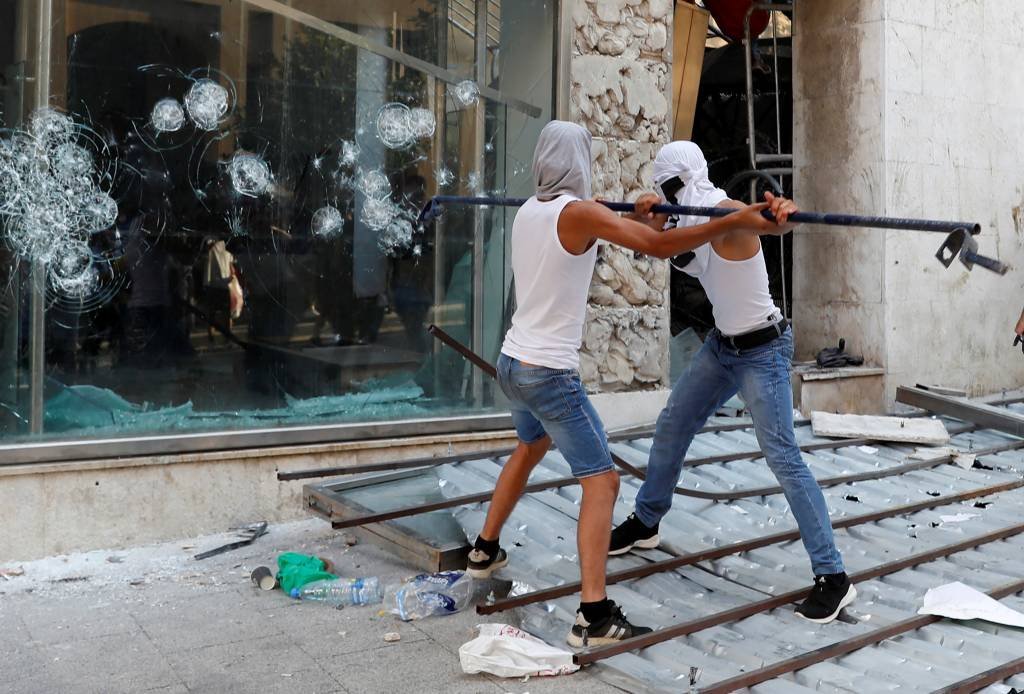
(621, 80)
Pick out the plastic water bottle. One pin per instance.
(431, 594)
(342, 591)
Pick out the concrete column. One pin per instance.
(911, 109)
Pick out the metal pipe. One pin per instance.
(983, 679)
(613, 436)
(434, 206)
(758, 606)
(739, 547)
(480, 163)
(835, 650)
(37, 302)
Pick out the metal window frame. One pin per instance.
(80, 450)
(69, 450)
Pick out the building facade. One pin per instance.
(213, 266)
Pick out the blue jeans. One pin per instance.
(762, 378)
(553, 402)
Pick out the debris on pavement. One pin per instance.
(296, 570)
(342, 592)
(263, 578)
(249, 533)
(505, 651)
(427, 595)
(900, 429)
(958, 601)
(12, 572)
(392, 637)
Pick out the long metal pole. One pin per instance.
(37, 304)
(433, 208)
(479, 233)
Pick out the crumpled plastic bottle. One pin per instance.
(426, 595)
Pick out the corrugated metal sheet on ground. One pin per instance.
(541, 538)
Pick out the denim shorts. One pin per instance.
(553, 402)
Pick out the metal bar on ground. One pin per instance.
(740, 547)
(749, 679)
(981, 414)
(430, 461)
(560, 482)
(984, 679)
(758, 606)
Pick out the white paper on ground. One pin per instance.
(959, 518)
(503, 650)
(957, 601)
(870, 450)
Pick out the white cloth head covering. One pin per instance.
(561, 162)
(685, 160)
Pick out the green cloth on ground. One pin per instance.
(296, 570)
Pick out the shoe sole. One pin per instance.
(577, 642)
(650, 543)
(486, 573)
(850, 596)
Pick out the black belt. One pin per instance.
(756, 338)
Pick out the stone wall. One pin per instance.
(621, 80)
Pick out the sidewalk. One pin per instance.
(151, 619)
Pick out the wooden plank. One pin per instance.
(899, 429)
(689, 34)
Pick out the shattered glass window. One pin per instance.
(221, 199)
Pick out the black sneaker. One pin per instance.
(613, 628)
(830, 594)
(633, 534)
(482, 565)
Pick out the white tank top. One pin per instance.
(737, 289)
(552, 286)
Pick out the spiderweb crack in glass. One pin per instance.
(167, 116)
(374, 184)
(422, 122)
(51, 201)
(465, 93)
(206, 103)
(376, 214)
(394, 126)
(250, 175)
(396, 236)
(327, 221)
(350, 152)
(444, 177)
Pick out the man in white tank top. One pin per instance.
(750, 352)
(554, 246)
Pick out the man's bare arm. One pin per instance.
(581, 222)
(780, 208)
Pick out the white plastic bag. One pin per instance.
(503, 650)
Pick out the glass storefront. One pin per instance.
(208, 209)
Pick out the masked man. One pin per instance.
(750, 352)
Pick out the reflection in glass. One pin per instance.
(245, 251)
